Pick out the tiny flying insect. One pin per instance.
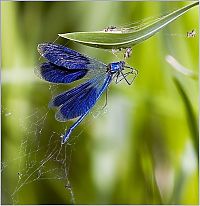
(64, 66)
(191, 33)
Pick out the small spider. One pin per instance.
(127, 53)
(110, 28)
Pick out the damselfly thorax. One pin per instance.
(116, 70)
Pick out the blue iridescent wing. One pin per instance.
(68, 58)
(58, 74)
(60, 99)
(81, 104)
(65, 66)
(80, 100)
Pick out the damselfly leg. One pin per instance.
(124, 76)
(106, 100)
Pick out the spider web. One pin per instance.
(40, 158)
(36, 160)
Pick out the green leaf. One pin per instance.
(126, 38)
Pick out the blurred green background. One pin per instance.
(138, 150)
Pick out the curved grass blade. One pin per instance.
(128, 37)
(190, 116)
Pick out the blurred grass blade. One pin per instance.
(190, 117)
(180, 68)
(128, 37)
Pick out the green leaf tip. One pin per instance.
(127, 37)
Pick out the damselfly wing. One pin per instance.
(64, 66)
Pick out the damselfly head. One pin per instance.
(116, 67)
